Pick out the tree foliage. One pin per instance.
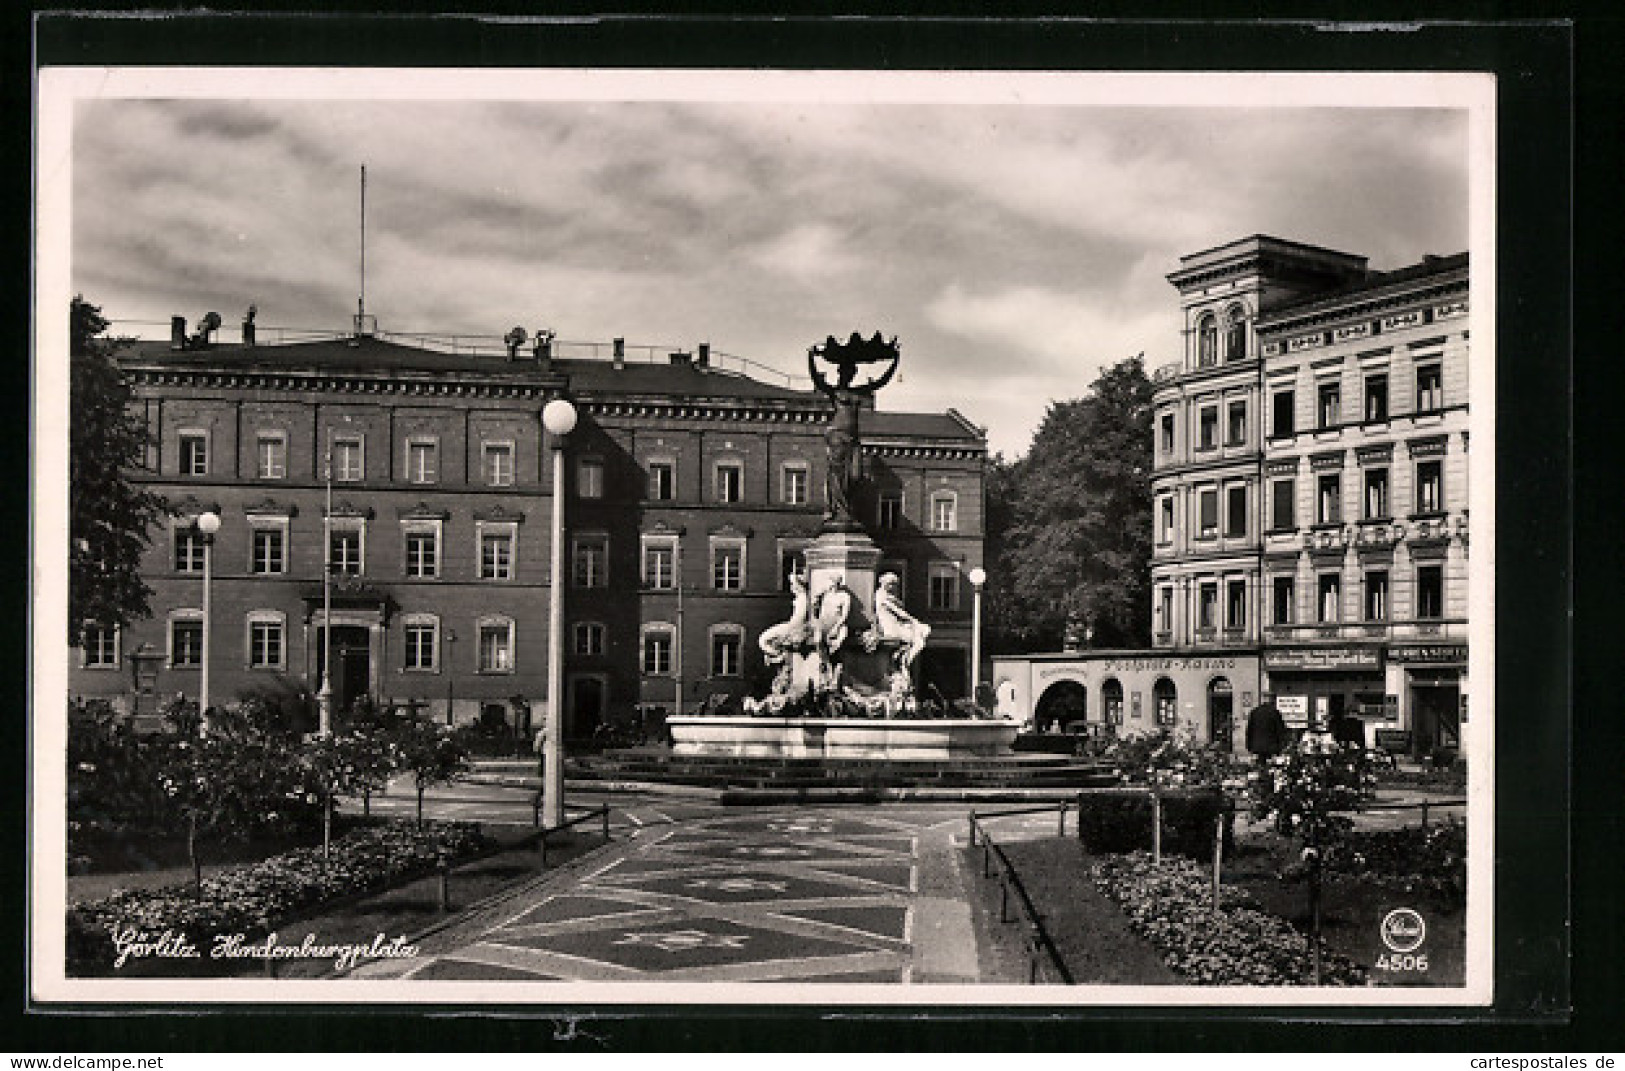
(1070, 523)
(110, 517)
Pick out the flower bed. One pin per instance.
(250, 900)
(1426, 861)
(1171, 905)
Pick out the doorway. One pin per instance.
(352, 664)
(584, 705)
(1221, 714)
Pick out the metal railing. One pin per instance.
(1040, 945)
(602, 813)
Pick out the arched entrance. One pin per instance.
(1220, 713)
(1111, 701)
(1063, 706)
(1165, 702)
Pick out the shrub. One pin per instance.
(1117, 820)
(1426, 861)
(251, 900)
(112, 774)
(1171, 906)
(1308, 790)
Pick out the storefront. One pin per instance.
(1431, 677)
(1318, 687)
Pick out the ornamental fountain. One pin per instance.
(844, 684)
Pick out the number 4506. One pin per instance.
(1408, 962)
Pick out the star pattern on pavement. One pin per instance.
(737, 885)
(684, 940)
(802, 825)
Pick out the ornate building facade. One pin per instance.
(691, 489)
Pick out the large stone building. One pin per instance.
(1309, 505)
(691, 490)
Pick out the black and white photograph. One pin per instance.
(764, 537)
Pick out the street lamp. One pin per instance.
(977, 578)
(208, 524)
(559, 418)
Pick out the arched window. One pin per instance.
(1111, 700)
(1165, 700)
(1235, 333)
(1207, 340)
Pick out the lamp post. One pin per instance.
(324, 694)
(559, 418)
(207, 525)
(977, 577)
(451, 668)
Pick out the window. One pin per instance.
(1282, 420)
(1329, 405)
(495, 645)
(272, 456)
(662, 481)
(591, 569)
(1376, 494)
(1165, 519)
(497, 464)
(1429, 388)
(189, 550)
(1376, 595)
(268, 550)
(1207, 341)
(1235, 513)
(890, 516)
(1429, 487)
(944, 588)
(422, 460)
(944, 511)
(1235, 604)
(657, 649)
(185, 639)
(345, 550)
(1430, 592)
(422, 642)
(1331, 596)
(1207, 605)
(590, 478)
(1165, 701)
(348, 463)
(1235, 334)
(497, 552)
(100, 645)
(728, 565)
(730, 481)
(194, 453)
(265, 640)
(1235, 433)
(1208, 513)
(660, 564)
(796, 480)
(1165, 609)
(1207, 433)
(1111, 700)
(1376, 396)
(1329, 501)
(1282, 600)
(589, 639)
(1167, 433)
(423, 552)
(727, 646)
(1283, 505)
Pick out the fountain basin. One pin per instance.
(841, 738)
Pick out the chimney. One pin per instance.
(681, 357)
(703, 358)
(248, 326)
(177, 332)
(620, 353)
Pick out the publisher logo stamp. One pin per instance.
(1403, 930)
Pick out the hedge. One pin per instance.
(1115, 821)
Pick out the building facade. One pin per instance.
(691, 489)
(1309, 503)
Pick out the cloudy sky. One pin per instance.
(1015, 241)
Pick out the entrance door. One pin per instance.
(352, 664)
(585, 710)
(1435, 718)
(1220, 713)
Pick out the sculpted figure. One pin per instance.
(896, 623)
(842, 438)
(834, 605)
(777, 642)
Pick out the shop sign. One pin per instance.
(1294, 710)
(1449, 653)
(1323, 658)
(1132, 665)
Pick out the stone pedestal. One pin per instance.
(853, 557)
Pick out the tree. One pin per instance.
(109, 517)
(432, 754)
(1075, 555)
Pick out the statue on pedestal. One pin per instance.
(842, 439)
(779, 641)
(895, 623)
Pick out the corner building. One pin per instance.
(691, 490)
(1309, 505)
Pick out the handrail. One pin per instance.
(1037, 936)
(543, 832)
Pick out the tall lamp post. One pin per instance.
(559, 418)
(977, 577)
(208, 524)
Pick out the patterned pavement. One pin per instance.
(805, 895)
